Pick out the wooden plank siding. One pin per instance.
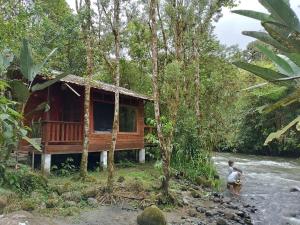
(65, 137)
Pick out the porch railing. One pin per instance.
(59, 132)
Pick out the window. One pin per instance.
(103, 116)
(128, 118)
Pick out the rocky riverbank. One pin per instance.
(197, 208)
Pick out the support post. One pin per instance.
(142, 155)
(46, 164)
(32, 159)
(103, 159)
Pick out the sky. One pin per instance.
(229, 27)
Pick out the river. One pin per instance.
(266, 184)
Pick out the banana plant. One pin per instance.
(21, 89)
(282, 31)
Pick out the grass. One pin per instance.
(140, 179)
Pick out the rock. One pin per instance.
(151, 216)
(200, 209)
(248, 221)
(185, 201)
(229, 215)
(92, 202)
(240, 213)
(226, 200)
(246, 205)
(90, 192)
(295, 189)
(3, 203)
(216, 200)
(221, 221)
(210, 213)
(72, 196)
(192, 212)
(195, 194)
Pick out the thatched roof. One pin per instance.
(103, 86)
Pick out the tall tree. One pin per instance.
(87, 24)
(116, 33)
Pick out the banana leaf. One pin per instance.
(264, 37)
(279, 133)
(19, 91)
(290, 99)
(33, 143)
(28, 68)
(282, 13)
(41, 86)
(295, 57)
(284, 67)
(294, 66)
(44, 106)
(254, 15)
(266, 74)
(283, 35)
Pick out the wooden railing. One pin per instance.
(60, 132)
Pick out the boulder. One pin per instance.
(151, 216)
(221, 221)
(295, 189)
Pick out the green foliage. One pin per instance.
(66, 168)
(283, 32)
(189, 157)
(22, 180)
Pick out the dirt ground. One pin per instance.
(104, 215)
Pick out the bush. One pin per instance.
(189, 158)
(23, 180)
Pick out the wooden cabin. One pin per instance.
(60, 129)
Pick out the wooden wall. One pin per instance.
(99, 141)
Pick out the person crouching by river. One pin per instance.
(234, 179)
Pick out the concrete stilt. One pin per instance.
(32, 160)
(46, 164)
(142, 155)
(103, 159)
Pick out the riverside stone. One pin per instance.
(151, 216)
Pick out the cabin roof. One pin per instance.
(103, 86)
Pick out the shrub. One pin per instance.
(23, 180)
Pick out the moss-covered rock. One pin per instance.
(151, 216)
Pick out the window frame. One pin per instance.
(120, 105)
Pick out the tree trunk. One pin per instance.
(163, 145)
(116, 32)
(87, 93)
(197, 83)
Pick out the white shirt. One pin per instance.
(233, 177)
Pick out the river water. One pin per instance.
(266, 184)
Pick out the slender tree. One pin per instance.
(87, 24)
(116, 33)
